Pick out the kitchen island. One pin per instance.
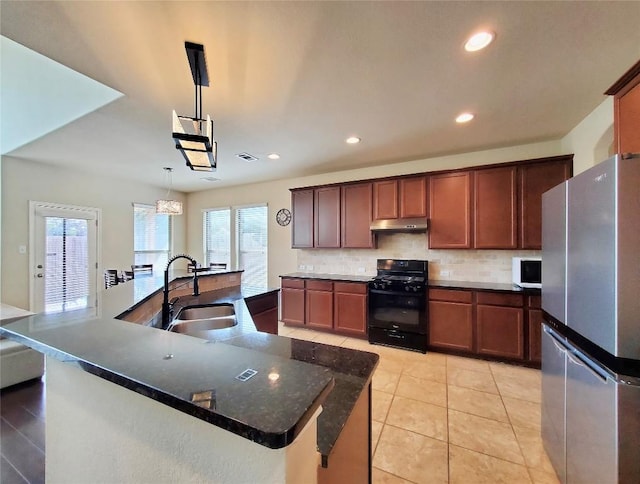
(169, 407)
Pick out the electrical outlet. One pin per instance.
(445, 273)
(302, 267)
(309, 268)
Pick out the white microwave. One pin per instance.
(527, 271)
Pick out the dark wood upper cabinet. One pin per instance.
(450, 210)
(356, 216)
(385, 199)
(626, 111)
(302, 226)
(495, 210)
(533, 180)
(413, 196)
(327, 217)
(400, 198)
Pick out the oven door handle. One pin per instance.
(397, 293)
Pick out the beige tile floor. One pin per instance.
(447, 419)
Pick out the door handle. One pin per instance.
(39, 275)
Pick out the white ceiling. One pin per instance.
(297, 78)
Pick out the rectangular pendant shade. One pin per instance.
(196, 142)
(169, 207)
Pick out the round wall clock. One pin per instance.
(283, 217)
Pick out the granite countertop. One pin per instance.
(266, 411)
(329, 277)
(487, 286)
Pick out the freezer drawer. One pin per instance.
(590, 416)
(553, 400)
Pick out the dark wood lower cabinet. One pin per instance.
(451, 325)
(264, 312)
(335, 306)
(489, 324)
(350, 308)
(319, 304)
(292, 300)
(500, 331)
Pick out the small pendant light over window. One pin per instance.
(168, 206)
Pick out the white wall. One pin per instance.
(592, 139)
(283, 259)
(26, 180)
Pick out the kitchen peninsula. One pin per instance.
(129, 402)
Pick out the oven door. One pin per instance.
(398, 310)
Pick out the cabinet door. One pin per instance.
(450, 211)
(267, 321)
(302, 229)
(350, 310)
(413, 197)
(627, 109)
(327, 217)
(533, 181)
(356, 216)
(534, 318)
(292, 300)
(385, 199)
(451, 325)
(319, 309)
(495, 209)
(500, 331)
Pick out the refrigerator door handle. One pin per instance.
(555, 339)
(578, 358)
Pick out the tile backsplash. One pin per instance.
(454, 265)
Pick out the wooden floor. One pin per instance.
(22, 410)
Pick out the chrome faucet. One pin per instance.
(167, 307)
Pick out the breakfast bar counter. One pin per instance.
(272, 409)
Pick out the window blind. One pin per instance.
(151, 236)
(217, 235)
(67, 265)
(251, 230)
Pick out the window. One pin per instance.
(217, 230)
(238, 237)
(151, 236)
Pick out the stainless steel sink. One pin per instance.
(191, 313)
(200, 321)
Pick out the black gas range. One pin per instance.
(398, 314)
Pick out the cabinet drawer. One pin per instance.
(500, 299)
(534, 302)
(320, 285)
(450, 295)
(350, 287)
(296, 283)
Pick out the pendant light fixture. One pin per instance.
(168, 206)
(194, 135)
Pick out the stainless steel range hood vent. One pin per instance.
(418, 224)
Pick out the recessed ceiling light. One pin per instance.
(273, 156)
(352, 140)
(464, 118)
(479, 41)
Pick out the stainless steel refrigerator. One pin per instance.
(591, 331)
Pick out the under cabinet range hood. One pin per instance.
(418, 224)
